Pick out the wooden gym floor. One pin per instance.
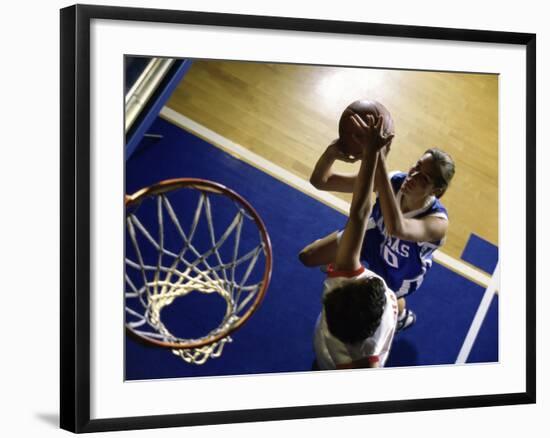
(288, 114)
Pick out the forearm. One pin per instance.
(323, 169)
(349, 249)
(324, 178)
(393, 217)
(361, 203)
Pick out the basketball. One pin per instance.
(363, 108)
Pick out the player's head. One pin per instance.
(353, 311)
(444, 170)
(430, 175)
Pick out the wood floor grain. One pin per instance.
(288, 114)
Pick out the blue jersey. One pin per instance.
(401, 263)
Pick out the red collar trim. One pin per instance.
(332, 273)
(373, 359)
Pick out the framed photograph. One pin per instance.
(267, 218)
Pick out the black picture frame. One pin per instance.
(75, 216)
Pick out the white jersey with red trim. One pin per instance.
(331, 352)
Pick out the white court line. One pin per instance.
(462, 268)
(289, 178)
(479, 317)
(249, 157)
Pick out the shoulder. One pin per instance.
(336, 279)
(435, 226)
(397, 174)
(396, 178)
(368, 274)
(440, 208)
(437, 210)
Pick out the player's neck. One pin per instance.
(411, 204)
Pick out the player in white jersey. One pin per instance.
(371, 342)
(408, 221)
(356, 326)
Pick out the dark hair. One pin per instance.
(445, 167)
(353, 311)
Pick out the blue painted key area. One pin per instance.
(278, 337)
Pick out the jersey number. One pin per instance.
(390, 257)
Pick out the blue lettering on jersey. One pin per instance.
(401, 263)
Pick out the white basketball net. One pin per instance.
(171, 274)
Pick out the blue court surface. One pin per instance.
(278, 337)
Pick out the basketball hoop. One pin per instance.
(187, 236)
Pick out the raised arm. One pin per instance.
(349, 249)
(323, 177)
(426, 229)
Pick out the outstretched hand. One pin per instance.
(369, 134)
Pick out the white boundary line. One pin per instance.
(479, 317)
(462, 268)
(249, 157)
(289, 178)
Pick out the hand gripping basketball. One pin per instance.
(362, 108)
(369, 134)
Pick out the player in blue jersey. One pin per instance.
(408, 221)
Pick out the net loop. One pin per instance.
(167, 259)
